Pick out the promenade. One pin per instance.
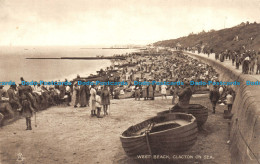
(227, 63)
(244, 133)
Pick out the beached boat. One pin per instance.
(167, 134)
(197, 110)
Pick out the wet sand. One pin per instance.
(70, 135)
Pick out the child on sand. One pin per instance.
(163, 91)
(27, 111)
(98, 104)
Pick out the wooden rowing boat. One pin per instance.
(167, 134)
(197, 110)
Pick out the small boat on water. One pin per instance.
(197, 110)
(167, 134)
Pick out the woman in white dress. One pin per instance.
(75, 95)
(163, 91)
(93, 94)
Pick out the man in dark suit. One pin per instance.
(138, 89)
(214, 97)
(185, 96)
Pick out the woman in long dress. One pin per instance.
(93, 94)
(87, 95)
(163, 91)
(75, 95)
(105, 100)
(157, 88)
(98, 104)
(83, 98)
(151, 91)
(145, 92)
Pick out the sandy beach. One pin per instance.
(70, 135)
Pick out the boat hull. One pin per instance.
(173, 140)
(197, 110)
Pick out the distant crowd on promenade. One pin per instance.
(248, 59)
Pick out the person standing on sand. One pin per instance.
(87, 95)
(93, 100)
(98, 104)
(214, 97)
(27, 111)
(157, 87)
(163, 91)
(82, 96)
(252, 65)
(117, 92)
(151, 90)
(137, 91)
(75, 95)
(68, 93)
(105, 100)
(62, 91)
(145, 90)
(111, 89)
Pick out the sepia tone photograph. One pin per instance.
(129, 82)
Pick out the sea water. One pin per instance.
(13, 62)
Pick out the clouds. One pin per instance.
(88, 22)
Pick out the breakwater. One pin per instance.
(81, 58)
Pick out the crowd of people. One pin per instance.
(97, 96)
(167, 67)
(24, 100)
(248, 59)
(173, 68)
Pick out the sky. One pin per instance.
(116, 22)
